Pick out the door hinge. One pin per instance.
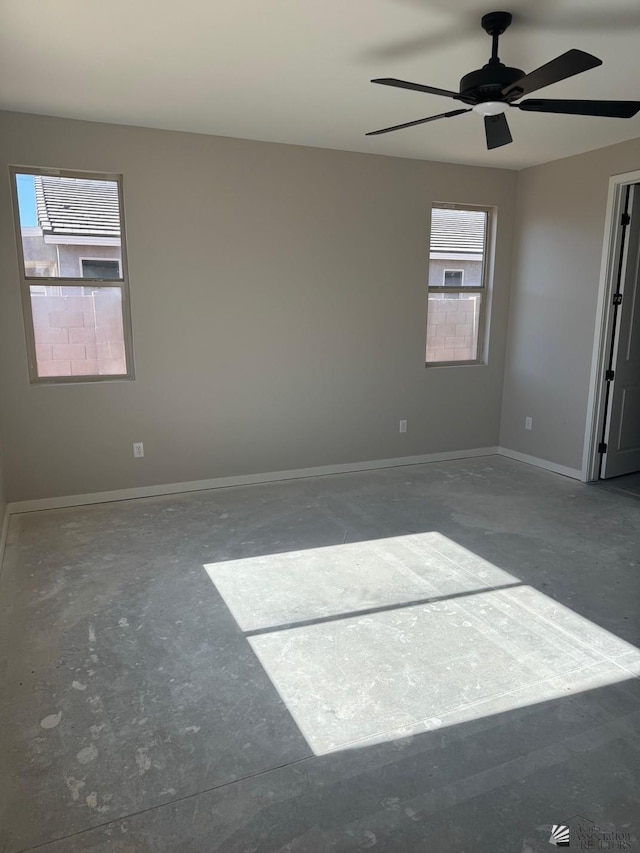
(625, 219)
(602, 447)
(608, 375)
(617, 299)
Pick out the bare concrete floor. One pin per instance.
(629, 483)
(431, 658)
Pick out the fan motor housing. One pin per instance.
(487, 83)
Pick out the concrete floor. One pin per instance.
(432, 658)
(629, 483)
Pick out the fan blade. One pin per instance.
(419, 121)
(608, 109)
(417, 87)
(497, 131)
(569, 64)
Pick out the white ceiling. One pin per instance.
(298, 71)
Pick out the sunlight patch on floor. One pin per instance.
(376, 640)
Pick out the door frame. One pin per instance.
(604, 323)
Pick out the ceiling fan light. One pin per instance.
(491, 108)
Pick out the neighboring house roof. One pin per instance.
(75, 206)
(460, 231)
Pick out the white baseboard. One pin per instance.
(273, 477)
(4, 526)
(241, 480)
(574, 473)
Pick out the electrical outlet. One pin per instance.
(528, 423)
(138, 449)
(403, 426)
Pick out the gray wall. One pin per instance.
(35, 249)
(557, 258)
(3, 500)
(278, 299)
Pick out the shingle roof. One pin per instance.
(77, 206)
(460, 231)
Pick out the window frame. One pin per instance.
(26, 282)
(483, 290)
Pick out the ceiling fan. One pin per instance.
(493, 89)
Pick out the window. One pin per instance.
(69, 228)
(96, 268)
(453, 278)
(457, 284)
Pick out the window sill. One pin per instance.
(80, 380)
(430, 364)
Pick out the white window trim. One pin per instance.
(25, 282)
(485, 290)
(78, 240)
